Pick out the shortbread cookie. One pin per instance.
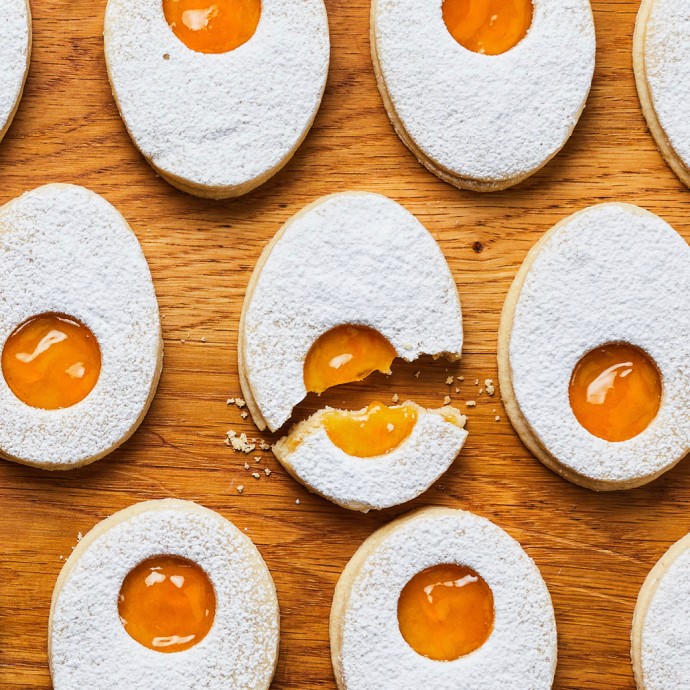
(374, 458)
(165, 594)
(593, 352)
(217, 96)
(660, 634)
(348, 284)
(442, 599)
(79, 329)
(483, 121)
(15, 55)
(661, 57)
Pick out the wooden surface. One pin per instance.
(593, 550)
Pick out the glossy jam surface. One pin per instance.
(213, 26)
(490, 27)
(51, 361)
(376, 431)
(344, 354)
(615, 391)
(445, 612)
(167, 604)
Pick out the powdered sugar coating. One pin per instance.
(351, 258)
(373, 483)
(611, 273)
(218, 120)
(89, 647)
(521, 650)
(15, 46)
(485, 118)
(65, 249)
(667, 70)
(665, 655)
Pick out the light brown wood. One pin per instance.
(594, 550)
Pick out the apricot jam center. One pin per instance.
(445, 612)
(344, 354)
(490, 27)
(167, 604)
(213, 26)
(615, 391)
(51, 361)
(376, 431)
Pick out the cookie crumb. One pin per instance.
(240, 402)
(240, 443)
(476, 382)
(446, 400)
(297, 502)
(264, 446)
(230, 401)
(203, 340)
(449, 381)
(490, 388)
(79, 536)
(460, 378)
(390, 426)
(244, 415)
(240, 488)
(256, 475)
(498, 419)
(471, 403)
(457, 390)
(267, 472)
(417, 374)
(396, 398)
(246, 465)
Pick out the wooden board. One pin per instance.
(594, 550)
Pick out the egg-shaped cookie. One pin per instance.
(661, 58)
(483, 93)
(15, 55)
(217, 94)
(165, 594)
(373, 458)
(660, 634)
(80, 334)
(347, 285)
(442, 599)
(594, 348)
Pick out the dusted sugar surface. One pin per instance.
(521, 650)
(487, 118)
(665, 658)
(65, 249)
(667, 68)
(15, 41)
(611, 273)
(377, 482)
(351, 258)
(218, 120)
(89, 647)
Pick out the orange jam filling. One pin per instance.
(213, 26)
(615, 391)
(376, 431)
(445, 612)
(344, 354)
(51, 361)
(490, 27)
(167, 604)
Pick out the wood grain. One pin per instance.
(594, 550)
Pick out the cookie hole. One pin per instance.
(489, 27)
(213, 26)
(167, 604)
(446, 612)
(344, 354)
(615, 391)
(51, 361)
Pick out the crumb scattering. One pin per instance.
(490, 388)
(240, 443)
(264, 446)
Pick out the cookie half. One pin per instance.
(373, 458)
(165, 594)
(346, 286)
(593, 353)
(442, 599)
(80, 333)
(217, 96)
(483, 121)
(660, 634)
(661, 58)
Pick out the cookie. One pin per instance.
(79, 329)
(165, 594)
(593, 349)
(217, 96)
